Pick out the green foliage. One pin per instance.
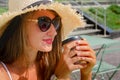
(3, 9)
(112, 16)
(98, 11)
(113, 20)
(92, 10)
(115, 8)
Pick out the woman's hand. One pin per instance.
(76, 55)
(88, 58)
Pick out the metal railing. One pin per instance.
(86, 3)
(104, 14)
(94, 3)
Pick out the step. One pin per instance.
(84, 31)
(88, 26)
(102, 35)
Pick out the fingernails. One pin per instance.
(77, 47)
(78, 54)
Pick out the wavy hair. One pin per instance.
(13, 44)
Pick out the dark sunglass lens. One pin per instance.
(44, 26)
(44, 23)
(57, 22)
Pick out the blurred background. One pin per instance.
(102, 32)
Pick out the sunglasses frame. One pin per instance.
(47, 22)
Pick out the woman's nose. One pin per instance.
(52, 31)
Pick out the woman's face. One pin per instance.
(37, 39)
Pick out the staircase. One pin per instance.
(88, 30)
(93, 28)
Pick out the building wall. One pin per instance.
(3, 3)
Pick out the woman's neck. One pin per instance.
(27, 60)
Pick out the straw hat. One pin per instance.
(70, 19)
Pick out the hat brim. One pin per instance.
(70, 19)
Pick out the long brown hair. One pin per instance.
(13, 43)
(49, 60)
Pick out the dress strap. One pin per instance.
(8, 72)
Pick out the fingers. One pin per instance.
(83, 45)
(76, 59)
(87, 59)
(69, 46)
(82, 53)
(84, 62)
(75, 63)
(82, 42)
(79, 54)
(87, 54)
(76, 55)
(81, 62)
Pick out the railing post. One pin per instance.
(105, 24)
(97, 3)
(96, 18)
(81, 7)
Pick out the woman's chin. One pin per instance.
(46, 50)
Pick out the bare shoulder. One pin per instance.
(1, 69)
(3, 74)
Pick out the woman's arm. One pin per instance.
(86, 76)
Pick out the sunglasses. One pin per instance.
(45, 22)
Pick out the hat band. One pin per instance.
(36, 4)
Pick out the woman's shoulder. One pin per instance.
(3, 73)
(1, 68)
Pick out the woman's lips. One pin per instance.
(48, 41)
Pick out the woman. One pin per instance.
(31, 45)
